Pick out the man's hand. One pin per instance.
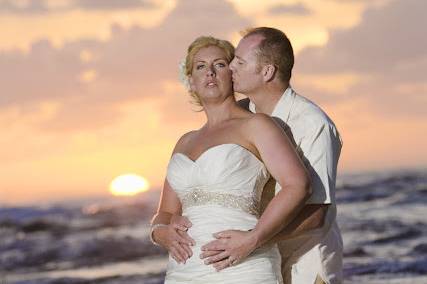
(229, 248)
(175, 239)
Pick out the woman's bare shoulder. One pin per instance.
(254, 124)
(260, 120)
(184, 141)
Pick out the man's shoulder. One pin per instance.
(306, 106)
(311, 118)
(306, 110)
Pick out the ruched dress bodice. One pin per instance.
(221, 190)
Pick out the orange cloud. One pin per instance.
(95, 100)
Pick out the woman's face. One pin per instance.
(211, 76)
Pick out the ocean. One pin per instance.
(382, 217)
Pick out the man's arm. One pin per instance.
(321, 150)
(311, 217)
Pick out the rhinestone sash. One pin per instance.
(201, 197)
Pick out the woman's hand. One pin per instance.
(175, 239)
(230, 248)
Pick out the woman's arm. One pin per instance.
(286, 167)
(284, 164)
(171, 236)
(169, 205)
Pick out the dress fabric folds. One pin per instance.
(221, 190)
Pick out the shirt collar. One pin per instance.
(283, 106)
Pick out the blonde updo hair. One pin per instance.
(195, 46)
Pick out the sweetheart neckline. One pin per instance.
(214, 147)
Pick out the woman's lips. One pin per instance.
(211, 84)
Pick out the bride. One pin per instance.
(216, 175)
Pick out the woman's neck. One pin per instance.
(218, 112)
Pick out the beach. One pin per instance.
(381, 216)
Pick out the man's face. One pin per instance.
(247, 77)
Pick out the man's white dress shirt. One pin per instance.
(317, 253)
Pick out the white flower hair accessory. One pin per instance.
(182, 76)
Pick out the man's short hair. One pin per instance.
(275, 48)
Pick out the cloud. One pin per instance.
(32, 7)
(387, 51)
(295, 9)
(386, 37)
(42, 6)
(87, 77)
(112, 4)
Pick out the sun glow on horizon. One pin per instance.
(128, 185)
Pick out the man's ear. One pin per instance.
(268, 72)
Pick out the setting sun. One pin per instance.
(128, 185)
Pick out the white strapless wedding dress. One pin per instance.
(221, 190)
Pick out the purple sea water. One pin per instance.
(382, 218)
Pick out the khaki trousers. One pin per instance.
(319, 280)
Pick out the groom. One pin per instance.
(311, 245)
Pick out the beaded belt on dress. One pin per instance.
(201, 197)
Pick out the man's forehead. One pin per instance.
(251, 41)
(248, 44)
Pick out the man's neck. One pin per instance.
(266, 99)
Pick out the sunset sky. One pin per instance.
(90, 89)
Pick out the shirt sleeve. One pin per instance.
(321, 147)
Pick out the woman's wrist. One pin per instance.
(153, 228)
(254, 238)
